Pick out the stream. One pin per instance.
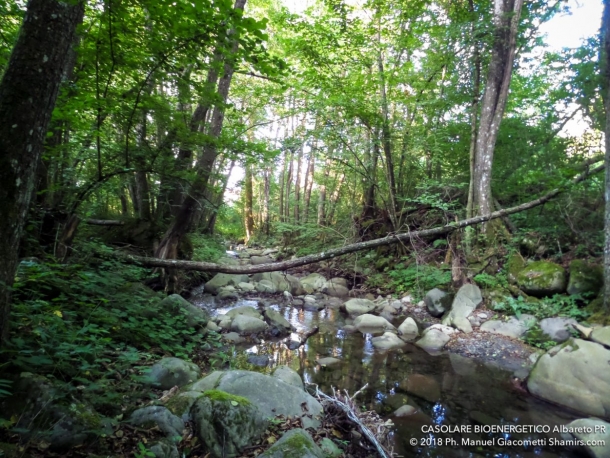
(449, 390)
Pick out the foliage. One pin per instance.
(547, 307)
(207, 248)
(488, 281)
(536, 338)
(418, 279)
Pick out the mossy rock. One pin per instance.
(585, 278)
(542, 278)
(296, 443)
(598, 315)
(513, 266)
(222, 396)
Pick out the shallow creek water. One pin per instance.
(448, 389)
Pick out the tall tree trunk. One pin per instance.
(334, 198)
(28, 92)
(297, 187)
(308, 184)
(248, 219)
(168, 247)
(322, 192)
(605, 64)
(506, 22)
(282, 185)
(288, 187)
(266, 198)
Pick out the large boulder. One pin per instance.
(171, 372)
(585, 278)
(466, 301)
(388, 341)
(277, 320)
(558, 328)
(435, 338)
(357, 307)
(295, 443)
(542, 278)
(601, 336)
(226, 423)
(437, 302)
(195, 316)
(588, 430)
(220, 280)
(575, 374)
(336, 287)
(270, 394)
(281, 282)
(513, 327)
(289, 376)
(371, 323)
(247, 324)
(159, 416)
(256, 260)
(244, 310)
(313, 282)
(408, 330)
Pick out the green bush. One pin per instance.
(547, 307)
(207, 248)
(418, 279)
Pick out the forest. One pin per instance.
(402, 170)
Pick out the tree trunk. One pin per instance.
(308, 184)
(506, 22)
(322, 193)
(605, 64)
(297, 186)
(266, 198)
(248, 219)
(28, 92)
(282, 181)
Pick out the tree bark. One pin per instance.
(28, 92)
(248, 219)
(506, 22)
(605, 64)
(354, 247)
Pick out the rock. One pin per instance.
(269, 251)
(247, 287)
(407, 299)
(334, 289)
(164, 449)
(265, 286)
(277, 320)
(244, 310)
(171, 372)
(256, 260)
(211, 326)
(514, 327)
(226, 423)
(225, 322)
(575, 374)
(289, 376)
(388, 341)
(337, 281)
(147, 417)
(195, 316)
(180, 404)
(227, 292)
(542, 278)
(433, 340)
(281, 282)
(464, 324)
(313, 282)
(295, 443)
(233, 337)
(220, 280)
(558, 328)
(408, 330)
(370, 323)
(248, 325)
(258, 360)
(357, 307)
(422, 386)
(334, 302)
(466, 301)
(330, 449)
(601, 336)
(437, 302)
(271, 395)
(514, 265)
(405, 411)
(585, 278)
(227, 261)
(389, 311)
(329, 361)
(73, 425)
(588, 430)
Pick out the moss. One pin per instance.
(222, 396)
(598, 315)
(181, 403)
(514, 265)
(542, 277)
(585, 278)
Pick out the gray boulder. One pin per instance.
(164, 449)
(408, 330)
(227, 292)
(171, 372)
(277, 320)
(226, 423)
(334, 288)
(256, 260)
(357, 307)
(289, 376)
(281, 282)
(575, 374)
(588, 430)
(466, 301)
(558, 328)
(220, 280)
(195, 316)
(514, 327)
(313, 282)
(585, 278)
(265, 286)
(437, 302)
(270, 394)
(244, 310)
(433, 340)
(542, 278)
(371, 323)
(247, 324)
(388, 341)
(601, 336)
(148, 417)
(296, 443)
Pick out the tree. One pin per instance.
(28, 93)
(605, 64)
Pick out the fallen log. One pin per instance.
(329, 254)
(104, 222)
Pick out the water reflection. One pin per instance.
(445, 389)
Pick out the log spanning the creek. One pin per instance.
(354, 247)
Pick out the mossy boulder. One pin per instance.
(597, 313)
(514, 264)
(195, 316)
(296, 443)
(585, 278)
(159, 417)
(170, 372)
(542, 278)
(226, 423)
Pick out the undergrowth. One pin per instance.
(418, 279)
(547, 307)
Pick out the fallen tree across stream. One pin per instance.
(351, 248)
